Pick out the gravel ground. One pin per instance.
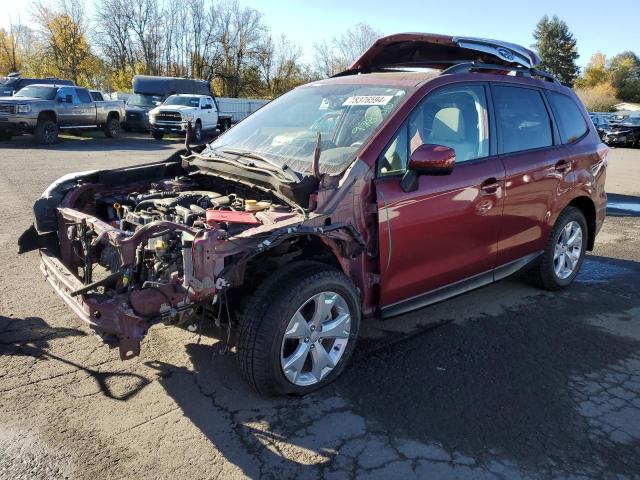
(505, 382)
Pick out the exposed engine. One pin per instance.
(198, 203)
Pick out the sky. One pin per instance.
(596, 26)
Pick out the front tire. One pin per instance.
(564, 252)
(112, 128)
(46, 132)
(299, 330)
(157, 135)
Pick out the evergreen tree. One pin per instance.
(556, 46)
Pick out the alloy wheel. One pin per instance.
(568, 250)
(315, 339)
(50, 133)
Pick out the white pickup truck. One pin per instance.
(178, 110)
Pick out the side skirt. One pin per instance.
(457, 288)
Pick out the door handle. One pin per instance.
(490, 185)
(563, 166)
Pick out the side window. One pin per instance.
(522, 119)
(396, 156)
(455, 117)
(83, 95)
(63, 92)
(570, 120)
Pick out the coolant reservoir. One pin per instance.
(255, 206)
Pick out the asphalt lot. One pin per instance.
(505, 382)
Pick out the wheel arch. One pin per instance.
(48, 115)
(308, 247)
(588, 209)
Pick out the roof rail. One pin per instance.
(468, 67)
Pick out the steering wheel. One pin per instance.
(356, 144)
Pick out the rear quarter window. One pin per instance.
(570, 120)
(522, 118)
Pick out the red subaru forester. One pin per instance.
(432, 166)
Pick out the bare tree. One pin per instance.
(279, 66)
(113, 35)
(336, 56)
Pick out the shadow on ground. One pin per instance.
(503, 389)
(31, 336)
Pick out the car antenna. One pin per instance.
(187, 138)
(315, 165)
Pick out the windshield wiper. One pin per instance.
(256, 156)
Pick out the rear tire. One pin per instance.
(5, 136)
(197, 132)
(46, 132)
(157, 135)
(293, 293)
(112, 128)
(564, 252)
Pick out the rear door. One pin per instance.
(535, 163)
(85, 110)
(447, 230)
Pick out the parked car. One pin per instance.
(624, 134)
(177, 111)
(601, 123)
(42, 110)
(372, 193)
(14, 82)
(150, 91)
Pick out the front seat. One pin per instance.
(449, 130)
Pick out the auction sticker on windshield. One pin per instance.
(367, 100)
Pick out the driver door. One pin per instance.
(446, 231)
(67, 114)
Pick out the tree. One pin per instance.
(11, 57)
(280, 67)
(336, 56)
(556, 46)
(64, 47)
(624, 70)
(595, 73)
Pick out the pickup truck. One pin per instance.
(42, 110)
(178, 110)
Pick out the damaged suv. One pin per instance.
(433, 166)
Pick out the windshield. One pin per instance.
(143, 100)
(7, 80)
(33, 91)
(285, 131)
(184, 101)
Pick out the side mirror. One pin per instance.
(428, 159)
(68, 99)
